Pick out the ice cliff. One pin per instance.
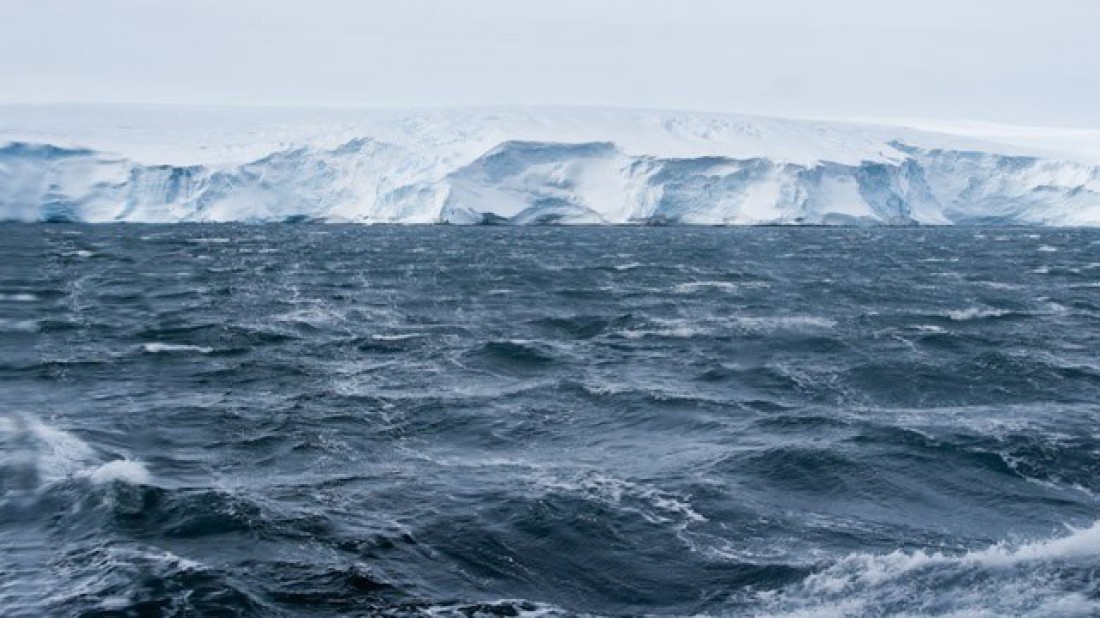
(521, 167)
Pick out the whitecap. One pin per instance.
(1003, 579)
(998, 285)
(976, 313)
(39, 452)
(675, 328)
(929, 329)
(19, 297)
(60, 454)
(604, 388)
(123, 470)
(871, 569)
(789, 322)
(698, 286)
(654, 505)
(171, 348)
(54, 455)
(116, 603)
(672, 332)
(397, 337)
(1053, 308)
(315, 315)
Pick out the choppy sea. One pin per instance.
(312, 420)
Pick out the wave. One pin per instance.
(157, 582)
(36, 455)
(515, 352)
(1049, 577)
(583, 326)
(653, 504)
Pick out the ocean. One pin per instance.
(314, 420)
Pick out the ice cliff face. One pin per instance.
(698, 170)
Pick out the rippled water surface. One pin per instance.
(317, 420)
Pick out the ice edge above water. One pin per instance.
(530, 167)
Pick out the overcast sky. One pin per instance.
(1020, 61)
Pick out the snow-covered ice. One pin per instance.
(528, 166)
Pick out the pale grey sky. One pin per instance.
(1020, 61)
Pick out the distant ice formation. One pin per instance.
(521, 166)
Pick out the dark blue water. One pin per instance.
(326, 420)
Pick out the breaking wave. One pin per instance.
(1050, 577)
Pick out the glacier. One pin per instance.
(523, 166)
